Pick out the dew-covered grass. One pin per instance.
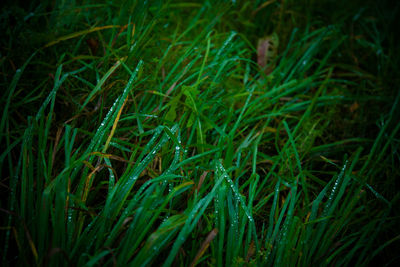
(209, 133)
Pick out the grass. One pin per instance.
(146, 133)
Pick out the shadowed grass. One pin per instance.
(146, 134)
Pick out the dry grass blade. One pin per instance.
(206, 243)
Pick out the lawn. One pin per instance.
(200, 133)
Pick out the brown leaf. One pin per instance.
(262, 48)
(267, 49)
(354, 107)
(93, 45)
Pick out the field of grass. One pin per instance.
(209, 133)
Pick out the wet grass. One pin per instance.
(156, 133)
